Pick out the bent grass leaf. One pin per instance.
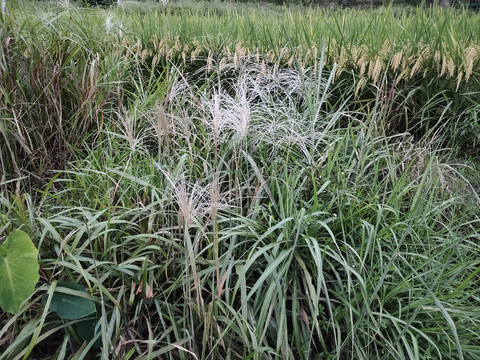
(18, 270)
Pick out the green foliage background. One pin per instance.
(250, 195)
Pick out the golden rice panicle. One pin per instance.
(444, 67)
(270, 55)
(210, 61)
(450, 67)
(386, 49)
(397, 60)
(223, 63)
(160, 47)
(360, 85)
(155, 42)
(355, 54)
(291, 61)
(240, 50)
(343, 58)
(342, 61)
(155, 60)
(184, 57)
(459, 79)
(177, 44)
(238, 54)
(137, 48)
(471, 54)
(401, 76)
(362, 63)
(169, 54)
(371, 66)
(437, 57)
(146, 53)
(421, 57)
(338, 72)
(377, 69)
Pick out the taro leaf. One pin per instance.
(71, 306)
(87, 329)
(18, 270)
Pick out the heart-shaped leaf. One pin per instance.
(71, 305)
(18, 270)
(87, 329)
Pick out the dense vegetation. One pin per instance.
(243, 181)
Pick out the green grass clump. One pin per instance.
(243, 208)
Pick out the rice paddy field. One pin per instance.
(216, 180)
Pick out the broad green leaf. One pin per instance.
(70, 304)
(87, 329)
(18, 270)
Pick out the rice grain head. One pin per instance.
(417, 66)
(450, 67)
(360, 85)
(371, 66)
(471, 54)
(377, 69)
(459, 79)
(397, 60)
(362, 64)
(444, 67)
(437, 57)
(401, 76)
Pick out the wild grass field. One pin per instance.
(242, 181)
